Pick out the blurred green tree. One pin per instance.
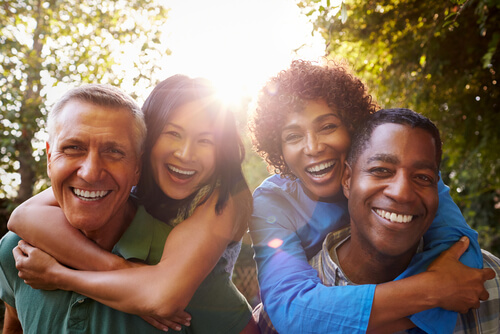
(46, 44)
(441, 59)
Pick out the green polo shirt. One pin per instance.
(69, 312)
(216, 307)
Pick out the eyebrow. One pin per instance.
(389, 158)
(205, 133)
(77, 141)
(392, 159)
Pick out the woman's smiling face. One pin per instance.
(183, 157)
(315, 143)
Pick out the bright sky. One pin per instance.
(237, 44)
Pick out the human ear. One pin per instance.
(346, 179)
(138, 170)
(47, 149)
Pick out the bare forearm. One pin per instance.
(447, 283)
(398, 299)
(119, 289)
(11, 324)
(45, 226)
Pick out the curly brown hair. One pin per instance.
(291, 89)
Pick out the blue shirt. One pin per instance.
(288, 229)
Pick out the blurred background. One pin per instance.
(438, 58)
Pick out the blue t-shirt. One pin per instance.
(288, 228)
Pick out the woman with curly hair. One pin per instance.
(302, 127)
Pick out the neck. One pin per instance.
(367, 266)
(107, 236)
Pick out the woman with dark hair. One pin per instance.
(302, 127)
(191, 180)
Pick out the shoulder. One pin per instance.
(7, 262)
(493, 285)
(491, 261)
(278, 196)
(276, 183)
(7, 243)
(280, 191)
(487, 317)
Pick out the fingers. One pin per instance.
(484, 295)
(24, 246)
(155, 323)
(17, 252)
(182, 319)
(488, 274)
(457, 249)
(162, 324)
(19, 256)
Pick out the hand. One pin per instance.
(459, 286)
(36, 267)
(175, 323)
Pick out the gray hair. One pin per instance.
(101, 95)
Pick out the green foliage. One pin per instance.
(441, 59)
(45, 43)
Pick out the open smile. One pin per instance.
(90, 195)
(179, 173)
(394, 217)
(321, 169)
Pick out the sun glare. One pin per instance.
(237, 45)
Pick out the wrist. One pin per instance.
(432, 293)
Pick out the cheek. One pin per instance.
(432, 203)
(209, 158)
(341, 141)
(289, 156)
(159, 152)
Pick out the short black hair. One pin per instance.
(402, 116)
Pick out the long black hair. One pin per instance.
(167, 96)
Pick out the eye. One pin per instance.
(380, 172)
(291, 137)
(72, 149)
(425, 179)
(206, 141)
(172, 133)
(329, 127)
(116, 151)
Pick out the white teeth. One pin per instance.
(180, 171)
(90, 195)
(394, 217)
(320, 167)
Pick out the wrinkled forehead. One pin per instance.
(87, 122)
(401, 142)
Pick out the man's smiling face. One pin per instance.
(392, 190)
(92, 163)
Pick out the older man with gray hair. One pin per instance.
(96, 135)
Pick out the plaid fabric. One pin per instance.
(486, 319)
(328, 270)
(263, 321)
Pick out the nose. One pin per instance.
(400, 188)
(91, 168)
(313, 145)
(185, 151)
